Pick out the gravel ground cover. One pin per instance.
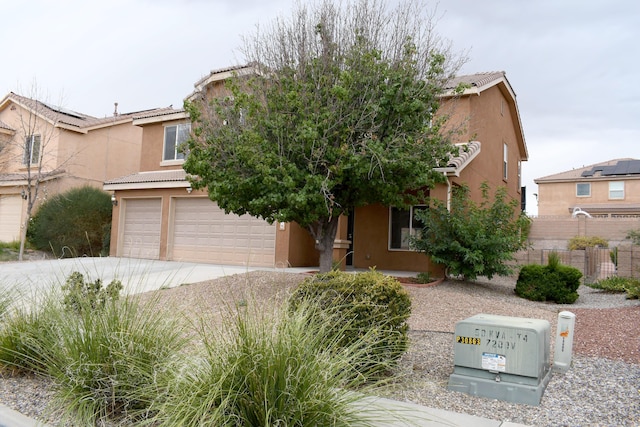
(602, 388)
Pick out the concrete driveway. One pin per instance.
(137, 275)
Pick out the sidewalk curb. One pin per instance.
(11, 418)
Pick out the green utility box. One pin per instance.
(501, 357)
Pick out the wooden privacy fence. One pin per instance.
(594, 263)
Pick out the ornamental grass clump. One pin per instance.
(111, 362)
(619, 284)
(27, 332)
(108, 357)
(282, 368)
(378, 308)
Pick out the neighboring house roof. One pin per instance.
(151, 179)
(21, 179)
(604, 170)
(65, 118)
(479, 82)
(160, 115)
(466, 153)
(5, 127)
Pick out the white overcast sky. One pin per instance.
(574, 64)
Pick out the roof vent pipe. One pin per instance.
(115, 109)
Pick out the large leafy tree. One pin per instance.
(472, 239)
(339, 112)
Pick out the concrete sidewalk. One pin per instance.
(140, 275)
(386, 413)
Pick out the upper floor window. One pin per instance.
(175, 135)
(505, 161)
(31, 150)
(616, 190)
(583, 189)
(404, 224)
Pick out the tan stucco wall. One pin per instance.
(488, 120)
(102, 154)
(295, 247)
(559, 198)
(371, 243)
(25, 124)
(153, 145)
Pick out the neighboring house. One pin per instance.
(608, 189)
(158, 216)
(61, 149)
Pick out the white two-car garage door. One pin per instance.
(142, 222)
(10, 218)
(202, 232)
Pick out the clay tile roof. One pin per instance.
(172, 175)
(53, 113)
(15, 177)
(466, 153)
(475, 80)
(220, 71)
(72, 118)
(158, 112)
(3, 125)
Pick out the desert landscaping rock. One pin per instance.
(602, 388)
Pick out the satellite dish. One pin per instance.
(578, 211)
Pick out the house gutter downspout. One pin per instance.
(446, 176)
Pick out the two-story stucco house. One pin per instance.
(606, 189)
(59, 149)
(158, 215)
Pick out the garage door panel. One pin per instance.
(142, 222)
(10, 218)
(203, 232)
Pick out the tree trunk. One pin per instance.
(324, 233)
(23, 238)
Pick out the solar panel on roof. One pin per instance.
(634, 167)
(623, 167)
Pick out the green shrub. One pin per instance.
(553, 282)
(619, 284)
(378, 305)
(73, 223)
(583, 242)
(79, 295)
(634, 235)
(529, 282)
(471, 239)
(633, 290)
(424, 277)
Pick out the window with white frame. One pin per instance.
(175, 135)
(616, 190)
(505, 161)
(403, 224)
(583, 189)
(31, 150)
